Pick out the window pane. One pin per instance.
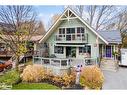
(68, 30)
(60, 31)
(78, 30)
(80, 49)
(58, 49)
(86, 49)
(72, 30)
(82, 30)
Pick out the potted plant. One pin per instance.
(91, 78)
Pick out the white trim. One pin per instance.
(68, 18)
(67, 9)
(71, 45)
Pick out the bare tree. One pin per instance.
(97, 16)
(21, 21)
(53, 19)
(41, 29)
(80, 9)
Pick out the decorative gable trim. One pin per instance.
(67, 16)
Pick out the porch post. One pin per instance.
(105, 51)
(102, 51)
(60, 62)
(50, 61)
(111, 51)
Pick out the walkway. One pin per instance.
(115, 80)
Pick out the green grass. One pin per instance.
(34, 86)
(10, 77)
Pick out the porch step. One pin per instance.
(109, 65)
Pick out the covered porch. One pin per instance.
(108, 51)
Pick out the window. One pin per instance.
(86, 49)
(58, 49)
(80, 30)
(62, 31)
(70, 30)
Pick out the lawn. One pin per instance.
(9, 77)
(12, 76)
(34, 86)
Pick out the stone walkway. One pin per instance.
(115, 80)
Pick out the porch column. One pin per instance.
(114, 51)
(102, 51)
(105, 51)
(60, 63)
(111, 51)
(50, 61)
(64, 51)
(67, 62)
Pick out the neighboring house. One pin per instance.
(5, 50)
(71, 36)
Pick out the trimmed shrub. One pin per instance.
(92, 77)
(33, 73)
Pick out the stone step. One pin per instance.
(109, 65)
(105, 69)
(109, 68)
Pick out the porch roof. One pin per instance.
(112, 36)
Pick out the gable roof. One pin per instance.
(81, 19)
(112, 36)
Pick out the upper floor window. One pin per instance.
(62, 31)
(80, 30)
(70, 30)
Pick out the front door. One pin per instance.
(108, 51)
(70, 52)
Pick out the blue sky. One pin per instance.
(45, 12)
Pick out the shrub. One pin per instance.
(33, 73)
(68, 80)
(57, 80)
(92, 77)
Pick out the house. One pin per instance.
(7, 30)
(71, 37)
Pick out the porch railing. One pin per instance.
(71, 37)
(61, 62)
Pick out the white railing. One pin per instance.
(67, 62)
(71, 37)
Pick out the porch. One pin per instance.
(108, 51)
(62, 65)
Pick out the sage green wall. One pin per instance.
(74, 23)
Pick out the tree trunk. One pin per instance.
(17, 63)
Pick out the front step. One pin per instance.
(109, 65)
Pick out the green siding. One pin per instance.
(74, 23)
